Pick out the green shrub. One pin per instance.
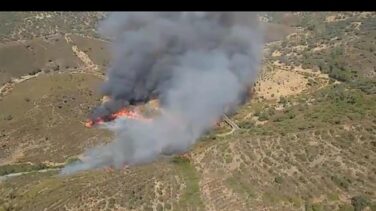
(180, 160)
(16, 168)
(346, 207)
(283, 100)
(263, 116)
(72, 160)
(359, 202)
(365, 85)
(247, 125)
(341, 182)
(278, 180)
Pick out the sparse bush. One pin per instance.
(313, 207)
(72, 160)
(359, 202)
(263, 116)
(168, 206)
(8, 118)
(311, 82)
(283, 100)
(34, 72)
(180, 160)
(159, 207)
(278, 180)
(365, 85)
(9, 169)
(271, 111)
(247, 125)
(341, 182)
(284, 44)
(346, 207)
(284, 116)
(372, 206)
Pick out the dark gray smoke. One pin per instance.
(198, 64)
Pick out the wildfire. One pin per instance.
(124, 112)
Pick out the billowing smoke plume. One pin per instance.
(198, 64)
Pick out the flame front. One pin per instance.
(124, 112)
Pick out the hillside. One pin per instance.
(306, 139)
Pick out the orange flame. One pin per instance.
(124, 112)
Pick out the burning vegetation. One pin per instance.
(124, 112)
(130, 112)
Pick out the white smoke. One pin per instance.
(199, 64)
